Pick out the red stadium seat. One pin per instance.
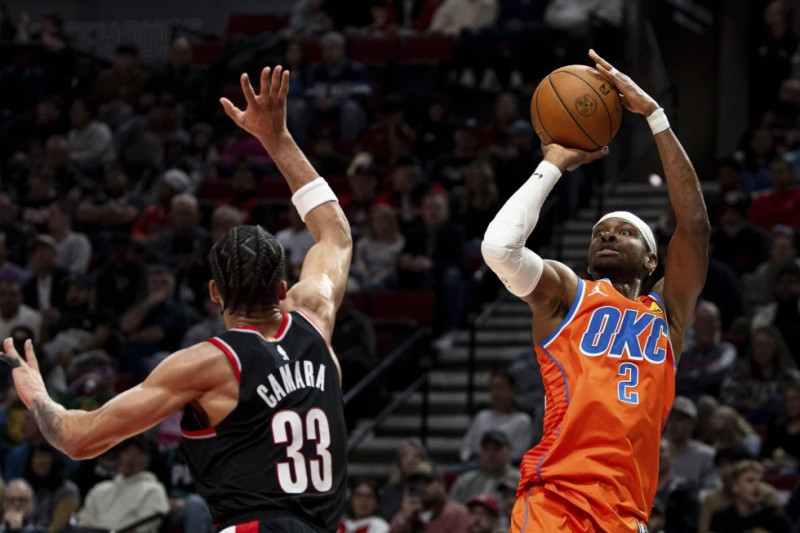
(427, 49)
(416, 306)
(254, 24)
(272, 188)
(374, 50)
(215, 189)
(312, 50)
(205, 53)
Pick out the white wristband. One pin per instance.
(311, 195)
(658, 121)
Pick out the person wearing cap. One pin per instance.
(494, 465)
(132, 495)
(607, 346)
(484, 514)
(426, 507)
(692, 459)
(155, 218)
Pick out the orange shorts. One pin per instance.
(542, 511)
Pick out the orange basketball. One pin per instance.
(576, 107)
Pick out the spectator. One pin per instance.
(784, 312)
(408, 188)
(308, 19)
(729, 427)
(433, 258)
(154, 326)
(508, 491)
(73, 249)
(18, 505)
(781, 117)
(8, 269)
(484, 514)
(67, 176)
(363, 513)
(109, 208)
(754, 385)
(494, 467)
(454, 16)
(338, 88)
(772, 55)
(502, 416)
(184, 227)
(408, 16)
(781, 448)
(722, 288)
(296, 241)
(706, 360)
(14, 236)
(90, 142)
(56, 497)
(496, 137)
(727, 176)
(180, 78)
(748, 513)
(13, 312)
(676, 495)
(780, 204)
(377, 252)
(244, 186)
(435, 130)
(477, 202)
(155, 218)
(426, 507)
(45, 289)
(132, 495)
(735, 241)
(30, 437)
(223, 219)
(36, 206)
(691, 459)
(390, 137)
(121, 84)
(450, 168)
(725, 460)
(203, 152)
(363, 178)
(191, 272)
(529, 389)
(519, 159)
(409, 455)
(188, 510)
(756, 155)
(122, 278)
(211, 325)
(782, 252)
(8, 30)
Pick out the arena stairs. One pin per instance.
(500, 340)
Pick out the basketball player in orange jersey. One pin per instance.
(607, 351)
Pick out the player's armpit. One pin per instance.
(181, 378)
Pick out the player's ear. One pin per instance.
(651, 262)
(282, 290)
(213, 292)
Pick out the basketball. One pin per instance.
(576, 107)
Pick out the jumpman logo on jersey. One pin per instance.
(597, 290)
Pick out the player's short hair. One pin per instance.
(247, 266)
(748, 465)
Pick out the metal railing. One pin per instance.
(478, 322)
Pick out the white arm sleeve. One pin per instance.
(503, 245)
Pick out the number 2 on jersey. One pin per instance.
(624, 388)
(288, 427)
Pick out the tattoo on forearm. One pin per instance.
(49, 420)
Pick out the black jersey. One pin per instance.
(283, 449)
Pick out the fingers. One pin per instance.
(284, 85)
(265, 79)
(30, 356)
(247, 89)
(275, 82)
(231, 110)
(599, 60)
(10, 355)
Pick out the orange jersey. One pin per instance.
(609, 380)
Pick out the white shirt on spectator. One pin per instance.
(122, 501)
(456, 15)
(371, 524)
(296, 244)
(91, 146)
(73, 253)
(27, 317)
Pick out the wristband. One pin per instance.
(658, 121)
(311, 195)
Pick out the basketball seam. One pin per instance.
(540, 116)
(610, 120)
(570, 114)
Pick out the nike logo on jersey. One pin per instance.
(596, 290)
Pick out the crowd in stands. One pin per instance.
(116, 178)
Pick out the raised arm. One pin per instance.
(687, 256)
(177, 381)
(324, 274)
(546, 286)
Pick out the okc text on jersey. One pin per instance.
(637, 335)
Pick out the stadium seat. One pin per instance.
(404, 306)
(205, 53)
(427, 49)
(374, 50)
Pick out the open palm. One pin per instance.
(265, 114)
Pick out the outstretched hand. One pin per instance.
(265, 114)
(631, 95)
(27, 378)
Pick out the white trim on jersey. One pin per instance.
(232, 352)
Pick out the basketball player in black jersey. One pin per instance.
(263, 421)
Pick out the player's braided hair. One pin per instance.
(247, 265)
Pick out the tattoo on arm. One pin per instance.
(50, 420)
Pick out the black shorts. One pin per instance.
(277, 524)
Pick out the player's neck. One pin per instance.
(267, 322)
(629, 289)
